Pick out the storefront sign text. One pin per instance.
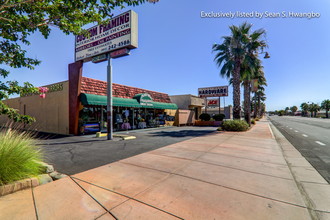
(119, 32)
(217, 91)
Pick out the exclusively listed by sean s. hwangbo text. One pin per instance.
(259, 14)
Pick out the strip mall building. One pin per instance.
(78, 106)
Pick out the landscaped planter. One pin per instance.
(48, 176)
(208, 123)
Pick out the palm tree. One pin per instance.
(259, 95)
(304, 107)
(314, 108)
(230, 56)
(293, 109)
(326, 106)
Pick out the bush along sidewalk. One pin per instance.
(235, 125)
(20, 163)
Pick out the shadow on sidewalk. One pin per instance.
(183, 133)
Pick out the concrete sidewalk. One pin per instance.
(225, 175)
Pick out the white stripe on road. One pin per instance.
(295, 131)
(290, 128)
(305, 135)
(320, 143)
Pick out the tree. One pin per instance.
(20, 18)
(251, 67)
(304, 107)
(259, 95)
(293, 109)
(230, 55)
(326, 106)
(314, 108)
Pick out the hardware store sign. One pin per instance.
(217, 91)
(119, 32)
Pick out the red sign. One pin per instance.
(119, 53)
(213, 102)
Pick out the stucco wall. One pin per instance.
(51, 113)
(186, 101)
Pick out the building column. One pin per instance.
(75, 77)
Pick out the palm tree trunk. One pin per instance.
(327, 113)
(255, 106)
(237, 90)
(247, 107)
(258, 106)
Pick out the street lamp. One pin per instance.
(266, 55)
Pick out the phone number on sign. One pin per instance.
(120, 44)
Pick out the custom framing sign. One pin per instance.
(217, 91)
(120, 32)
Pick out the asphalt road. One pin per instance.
(310, 136)
(71, 155)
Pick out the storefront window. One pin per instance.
(123, 118)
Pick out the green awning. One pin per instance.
(161, 105)
(91, 99)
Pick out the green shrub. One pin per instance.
(219, 129)
(253, 121)
(218, 117)
(18, 156)
(235, 125)
(205, 117)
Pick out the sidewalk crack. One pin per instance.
(34, 201)
(94, 198)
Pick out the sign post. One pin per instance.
(105, 42)
(219, 106)
(109, 100)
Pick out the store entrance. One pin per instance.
(93, 118)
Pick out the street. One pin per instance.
(310, 136)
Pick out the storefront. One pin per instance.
(136, 113)
(78, 106)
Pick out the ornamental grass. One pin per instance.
(18, 156)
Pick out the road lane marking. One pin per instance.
(290, 128)
(296, 131)
(305, 135)
(320, 143)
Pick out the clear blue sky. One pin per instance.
(175, 55)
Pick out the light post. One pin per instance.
(109, 100)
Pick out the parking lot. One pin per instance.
(71, 155)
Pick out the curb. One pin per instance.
(122, 136)
(49, 175)
(291, 154)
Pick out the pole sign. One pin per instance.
(217, 91)
(120, 32)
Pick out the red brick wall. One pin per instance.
(98, 87)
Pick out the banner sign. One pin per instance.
(213, 102)
(119, 32)
(213, 91)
